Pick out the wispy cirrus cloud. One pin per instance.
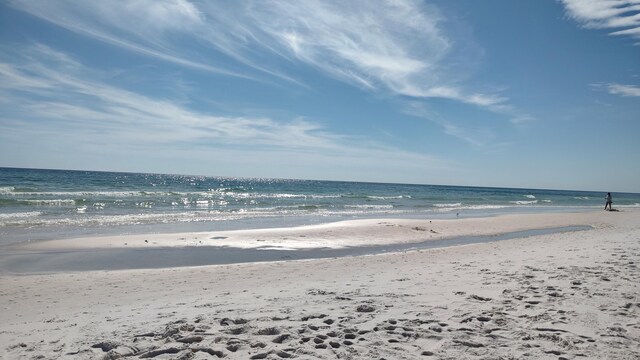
(42, 91)
(390, 46)
(157, 29)
(622, 16)
(618, 89)
(53, 96)
(624, 90)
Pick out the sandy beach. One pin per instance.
(562, 295)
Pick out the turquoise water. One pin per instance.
(38, 204)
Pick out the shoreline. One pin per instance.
(567, 294)
(11, 235)
(336, 239)
(337, 234)
(56, 261)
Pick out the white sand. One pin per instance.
(332, 235)
(567, 295)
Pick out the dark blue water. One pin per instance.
(42, 204)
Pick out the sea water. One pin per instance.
(40, 204)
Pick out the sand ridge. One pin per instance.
(332, 235)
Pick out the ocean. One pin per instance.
(38, 204)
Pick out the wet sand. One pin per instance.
(153, 257)
(546, 296)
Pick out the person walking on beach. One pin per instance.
(609, 201)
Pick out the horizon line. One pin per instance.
(303, 179)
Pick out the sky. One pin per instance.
(527, 94)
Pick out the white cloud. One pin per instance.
(146, 27)
(55, 99)
(492, 102)
(618, 89)
(393, 46)
(623, 15)
(623, 90)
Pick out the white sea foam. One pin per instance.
(202, 203)
(186, 203)
(76, 194)
(361, 212)
(453, 205)
(111, 220)
(84, 218)
(213, 193)
(325, 196)
(471, 207)
(241, 195)
(369, 206)
(581, 197)
(236, 195)
(530, 196)
(20, 215)
(389, 197)
(524, 202)
(629, 206)
(485, 207)
(108, 194)
(50, 202)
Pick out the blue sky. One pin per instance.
(538, 94)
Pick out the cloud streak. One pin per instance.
(624, 90)
(623, 16)
(618, 89)
(53, 96)
(385, 46)
(66, 96)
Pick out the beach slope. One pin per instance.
(560, 295)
